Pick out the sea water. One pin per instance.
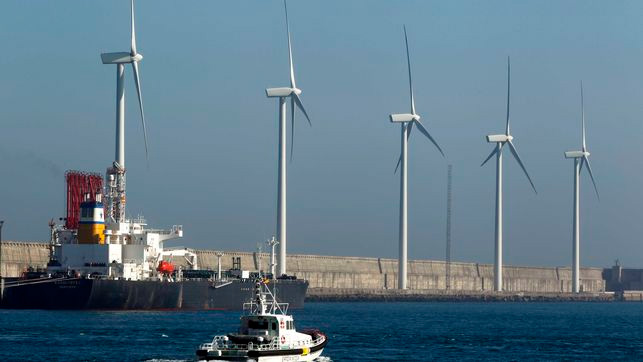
(356, 331)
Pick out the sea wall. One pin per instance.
(17, 256)
(338, 272)
(350, 273)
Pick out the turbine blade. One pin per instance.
(426, 133)
(408, 63)
(301, 106)
(582, 111)
(508, 92)
(140, 104)
(292, 68)
(591, 175)
(408, 132)
(292, 126)
(399, 161)
(515, 153)
(495, 150)
(133, 31)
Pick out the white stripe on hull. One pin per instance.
(292, 358)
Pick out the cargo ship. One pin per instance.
(100, 264)
(102, 259)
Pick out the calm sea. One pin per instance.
(357, 332)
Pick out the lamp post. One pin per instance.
(1, 223)
(1, 278)
(219, 255)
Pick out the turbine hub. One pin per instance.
(416, 117)
(297, 91)
(137, 57)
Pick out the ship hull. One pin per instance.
(70, 293)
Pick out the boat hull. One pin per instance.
(289, 358)
(267, 355)
(72, 293)
(295, 357)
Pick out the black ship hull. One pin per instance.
(72, 293)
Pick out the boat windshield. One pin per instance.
(258, 324)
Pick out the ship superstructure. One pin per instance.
(101, 247)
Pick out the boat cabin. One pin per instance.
(266, 325)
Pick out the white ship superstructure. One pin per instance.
(129, 250)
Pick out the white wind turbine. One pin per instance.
(120, 59)
(500, 140)
(282, 93)
(580, 158)
(406, 120)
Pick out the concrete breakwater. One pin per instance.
(18, 256)
(338, 272)
(359, 273)
(424, 295)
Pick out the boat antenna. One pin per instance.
(259, 251)
(272, 243)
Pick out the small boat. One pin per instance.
(266, 333)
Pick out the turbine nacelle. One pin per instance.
(282, 92)
(499, 138)
(576, 154)
(404, 117)
(120, 58)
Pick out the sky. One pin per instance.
(213, 133)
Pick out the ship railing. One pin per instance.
(222, 343)
(312, 343)
(206, 346)
(175, 230)
(18, 283)
(319, 340)
(273, 307)
(282, 306)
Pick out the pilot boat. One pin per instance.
(266, 333)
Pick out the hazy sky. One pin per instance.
(213, 133)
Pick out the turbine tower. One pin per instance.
(282, 93)
(500, 140)
(116, 174)
(406, 121)
(580, 158)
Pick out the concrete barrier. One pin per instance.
(338, 272)
(17, 256)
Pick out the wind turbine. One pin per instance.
(500, 140)
(580, 158)
(406, 121)
(116, 209)
(282, 93)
